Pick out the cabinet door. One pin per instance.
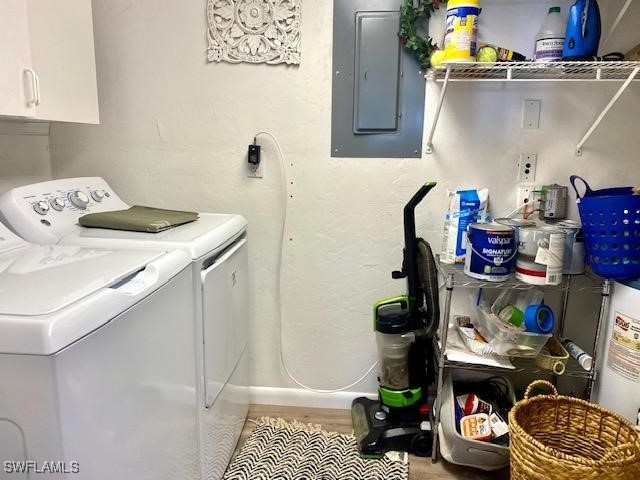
(17, 83)
(63, 56)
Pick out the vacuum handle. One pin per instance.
(409, 213)
(410, 242)
(417, 198)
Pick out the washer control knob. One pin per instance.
(41, 207)
(380, 415)
(57, 203)
(97, 195)
(79, 199)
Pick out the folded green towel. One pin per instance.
(138, 219)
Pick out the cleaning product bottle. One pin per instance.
(583, 31)
(461, 31)
(550, 37)
(584, 359)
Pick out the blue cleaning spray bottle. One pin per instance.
(583, 31)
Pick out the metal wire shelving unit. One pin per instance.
(454, 277)
(603, 72)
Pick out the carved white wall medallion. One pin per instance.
(254, 31)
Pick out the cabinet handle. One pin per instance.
(35, 75)
(35, 99)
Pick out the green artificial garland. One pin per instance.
(410, 14)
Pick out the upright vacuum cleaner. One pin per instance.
(404, 327)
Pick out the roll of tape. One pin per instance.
(511, 314)
(539, 319)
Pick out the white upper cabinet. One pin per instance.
(17, 79)
(63, 57)
(50, 44)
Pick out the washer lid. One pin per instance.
(39, 280)
(198, 238)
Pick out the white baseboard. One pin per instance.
(298, 397)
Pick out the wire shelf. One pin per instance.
(455, 276)
(532, 71)
(528, 365)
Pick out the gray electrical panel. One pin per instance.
(378, 86)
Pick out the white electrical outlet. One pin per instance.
(256, 172)
(527, 167)
(525, 195)
(531, 114)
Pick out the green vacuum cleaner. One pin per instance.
(404, 326)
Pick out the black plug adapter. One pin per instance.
(254, 156)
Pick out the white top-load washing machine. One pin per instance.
(96, 363)
(48, 212)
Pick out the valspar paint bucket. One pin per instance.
(491, 248)
(540, 255)
(460, 39)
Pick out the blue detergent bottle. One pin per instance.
(583, 31)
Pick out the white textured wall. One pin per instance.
(175, 129)
(23, 159)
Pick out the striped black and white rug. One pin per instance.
(282, 450)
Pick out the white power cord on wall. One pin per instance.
(285, 204)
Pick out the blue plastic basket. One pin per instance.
(611, 224)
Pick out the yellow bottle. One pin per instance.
(460, 40)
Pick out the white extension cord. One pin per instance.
(285, 204)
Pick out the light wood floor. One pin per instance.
(340, 421)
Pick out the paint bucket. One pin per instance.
(491, 248)
(460, 40)
(531, 272)
(516, 224)
(540, 255)
(574, 252)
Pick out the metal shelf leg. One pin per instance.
(613, 100)
(602, 317)
(443, 92)
(444, 331)
(562, 317)
(565, 306)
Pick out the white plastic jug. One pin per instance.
(550, 37)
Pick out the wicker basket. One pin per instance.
(563, 438)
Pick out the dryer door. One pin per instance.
(225, 315)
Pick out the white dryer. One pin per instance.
(96, 362)
(48, 212)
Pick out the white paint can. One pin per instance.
(531, 272)
(516, 224)
(540, 249)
